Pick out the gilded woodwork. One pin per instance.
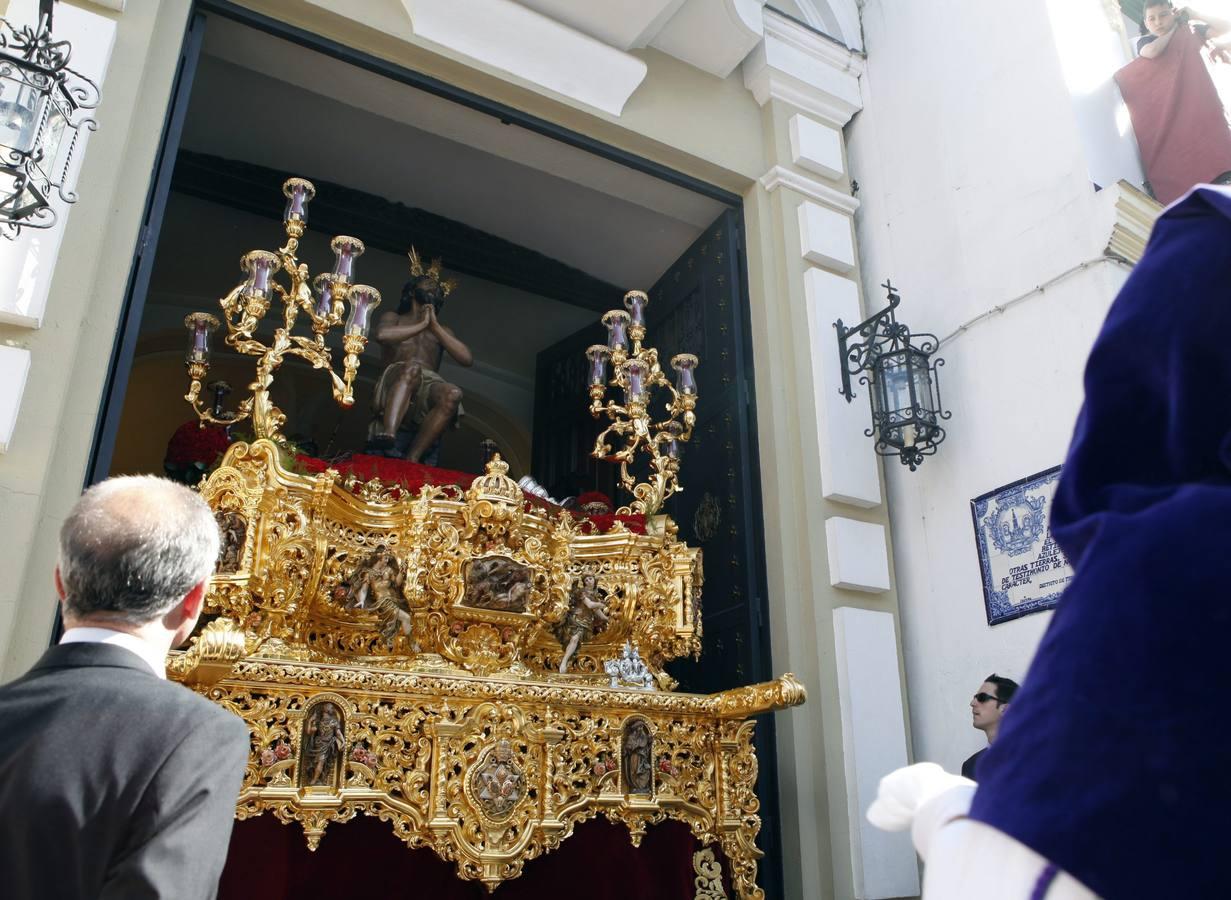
(457, 731)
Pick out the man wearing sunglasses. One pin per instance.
(987, 708)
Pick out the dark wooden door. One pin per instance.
(698, 306)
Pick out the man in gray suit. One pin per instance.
(114, 782)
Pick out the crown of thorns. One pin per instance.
(418, 270)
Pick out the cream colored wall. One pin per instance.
(42, 472)
(711, 129)
(679, 116)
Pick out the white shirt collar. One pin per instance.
(151, 656)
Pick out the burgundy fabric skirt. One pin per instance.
(362, 857)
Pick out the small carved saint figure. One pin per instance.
(324, 738)
(410, 390)
(638, 752)
(495, 582)
(234, 532)
(376, 584)
(586, 616)
(499, 783)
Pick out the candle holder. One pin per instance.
(323, 301)
(635, 371)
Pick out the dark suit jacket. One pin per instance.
(113, 783)
(971, 765)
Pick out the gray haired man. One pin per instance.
(114, 782)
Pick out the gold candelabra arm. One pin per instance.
(649, 496)
(196, 373)
(602, 447)
(294, 230)
(353, 344)
(636, 370)
(320, 357)
(290, 306)
(323, 302)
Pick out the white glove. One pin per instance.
(924, 798)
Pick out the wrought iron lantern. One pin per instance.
(42, 101)
(902, 377)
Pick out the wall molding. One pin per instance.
(796, 65)
(781, 176)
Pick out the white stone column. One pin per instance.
(833, 608)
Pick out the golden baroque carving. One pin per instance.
(396, 656)
(709, 876)
(309, 537)
(490, 773)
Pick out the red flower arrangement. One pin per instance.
(192, 444)
(594, 509)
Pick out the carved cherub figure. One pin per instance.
(376, 585)
(587, 615)
(377, 574)
(234, 532)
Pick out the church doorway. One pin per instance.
(542, 229)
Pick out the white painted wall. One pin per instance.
(1092, 46)
(975, 190)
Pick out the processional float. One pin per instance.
(397, 654)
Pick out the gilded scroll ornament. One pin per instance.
(708, 876)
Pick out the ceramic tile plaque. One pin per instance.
(1022, 569)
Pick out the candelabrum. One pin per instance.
(636, 371)
(322, 300)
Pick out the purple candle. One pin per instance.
(673, 445)
(200, 326)
(260, 266)
(617, 329)
(299, 194)
(635, 392)
(346, 251)
(363, 300)
(597, 354)
(324, 285)
(685, 381)
(635, 302)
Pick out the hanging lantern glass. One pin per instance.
(43, 104)
(900, 371)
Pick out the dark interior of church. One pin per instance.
(541, 238)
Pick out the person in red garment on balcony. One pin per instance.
(1177, 115)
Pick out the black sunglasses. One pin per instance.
(983, 698)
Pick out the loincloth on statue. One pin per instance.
(420, 403)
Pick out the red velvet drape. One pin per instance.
(362, 858)
(411, 476)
